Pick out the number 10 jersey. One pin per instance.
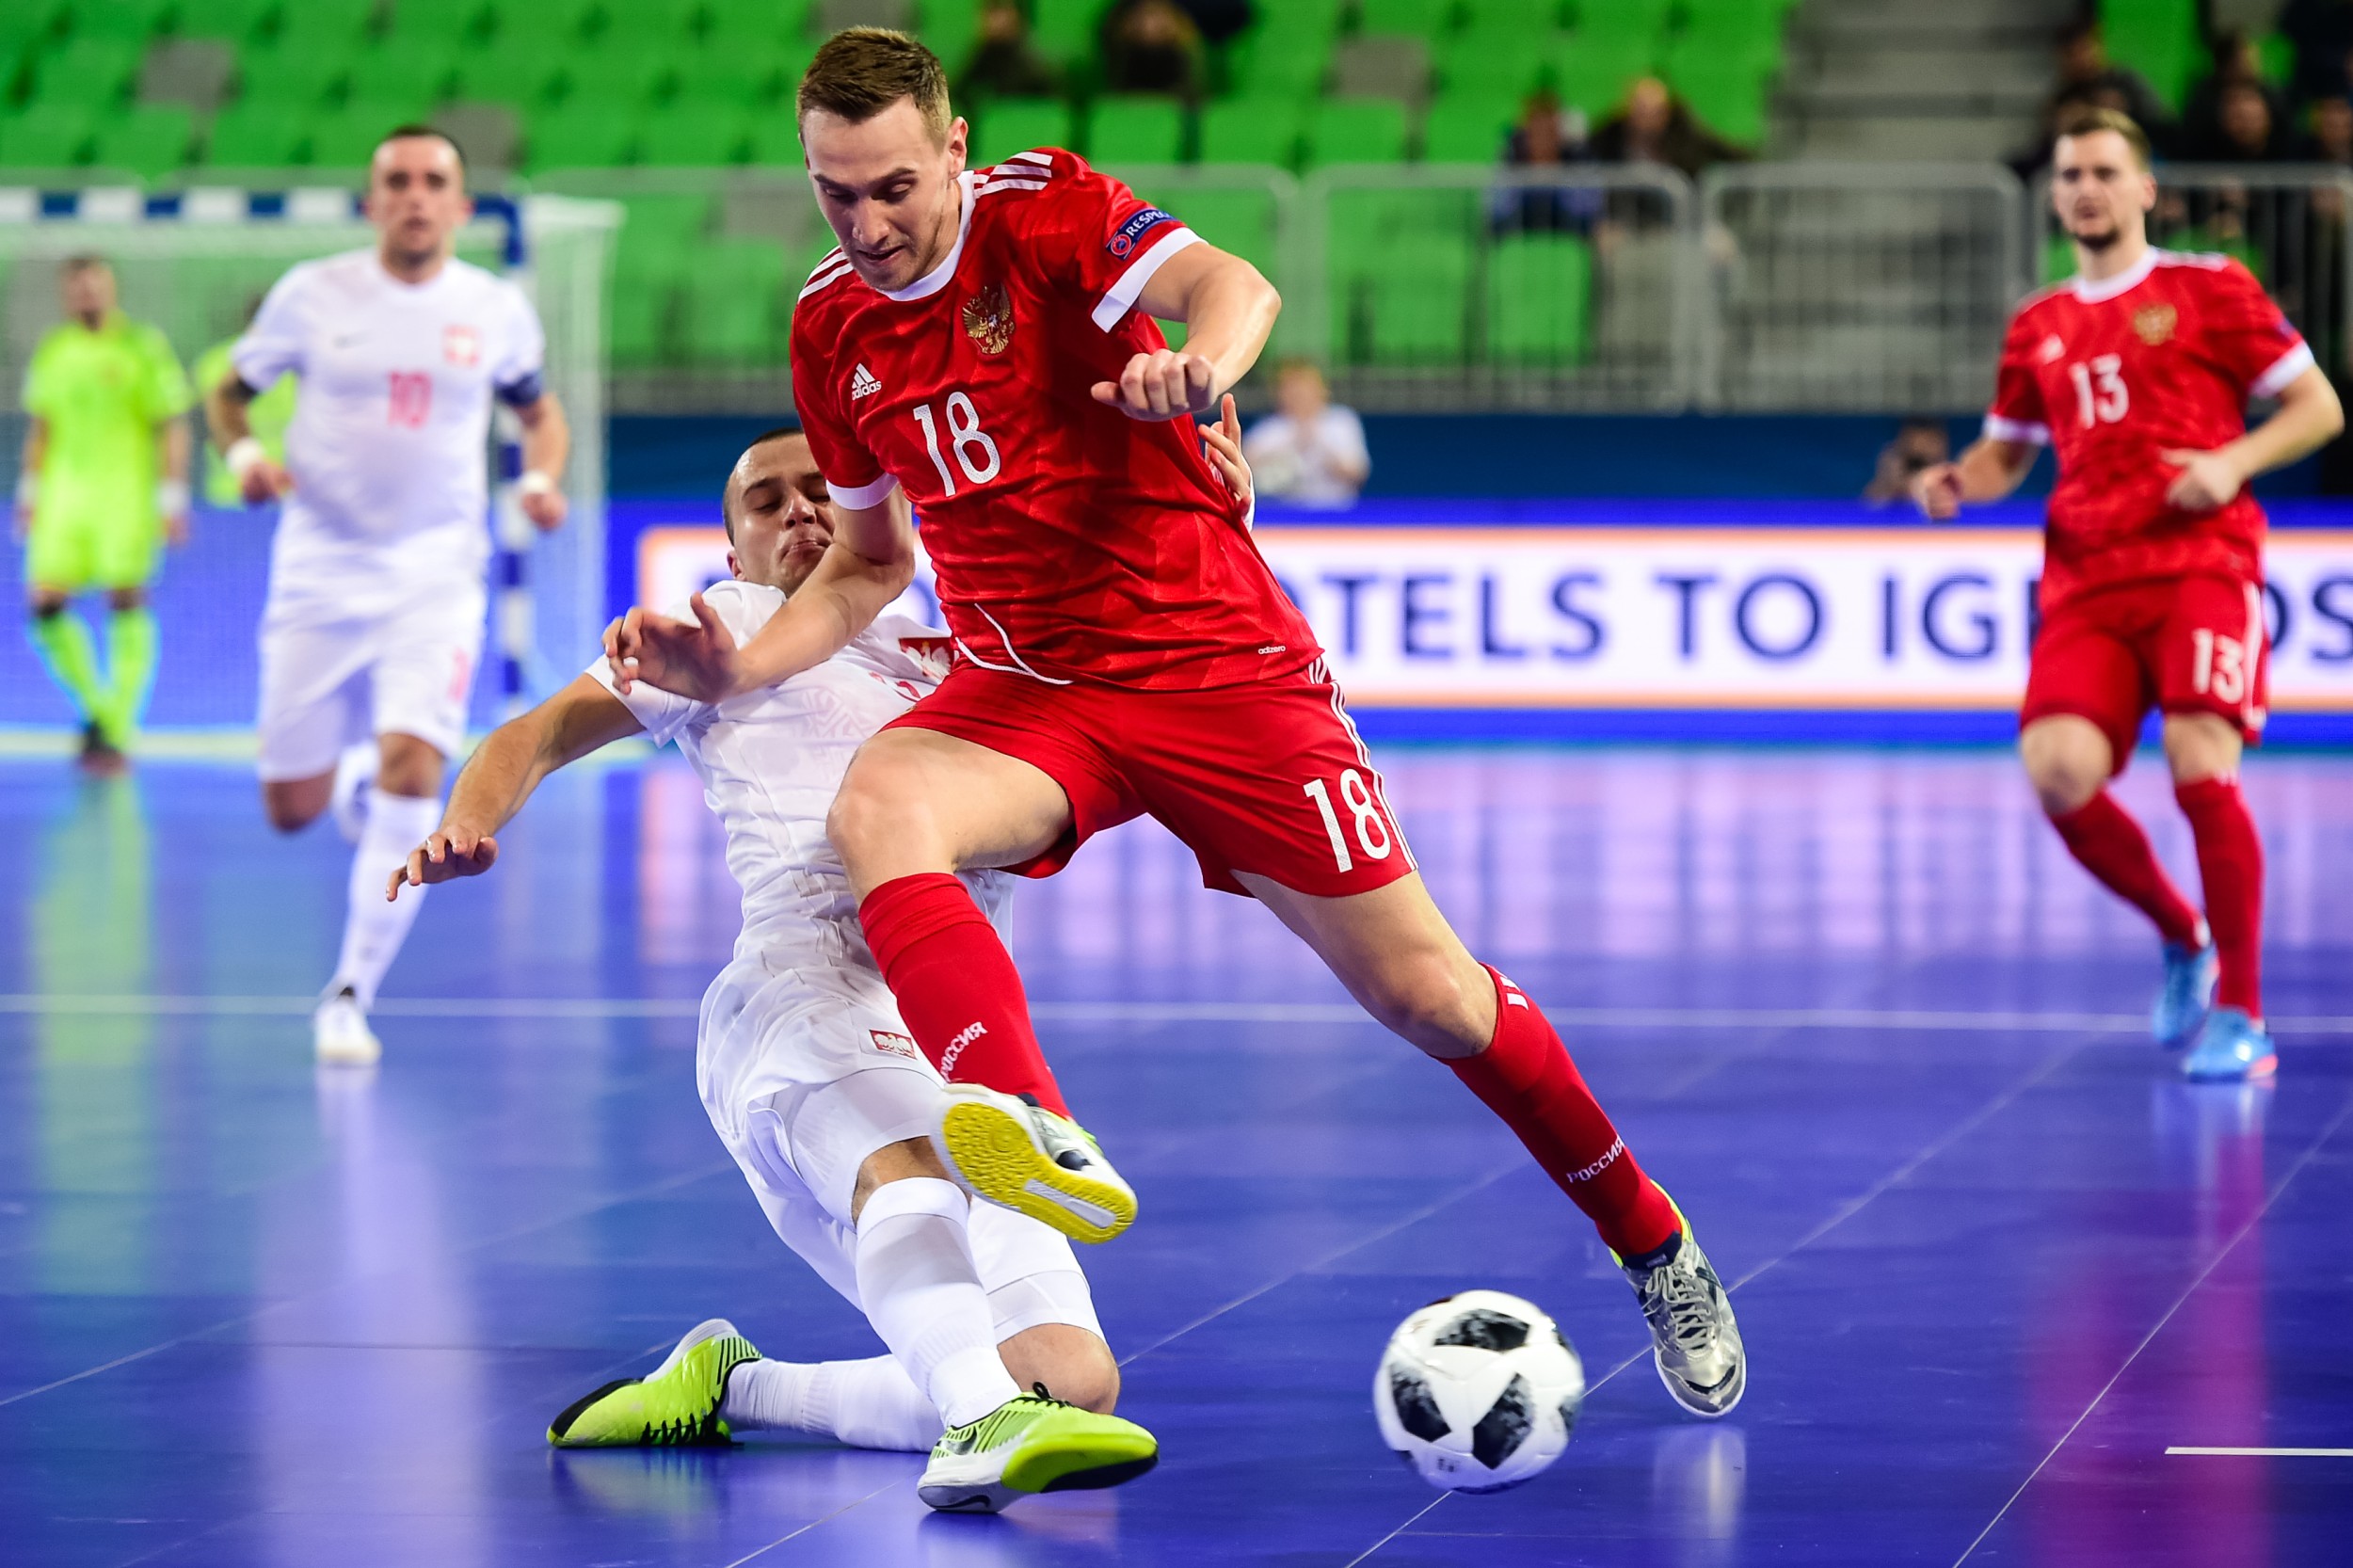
(1071, 542)
(2112, 375)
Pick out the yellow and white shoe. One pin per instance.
(1016, 1153)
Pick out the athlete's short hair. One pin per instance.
(418, 128)
(726, 491)
(2091, 120)
(862, 70)
(81, 262)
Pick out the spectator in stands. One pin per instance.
(1310, 449)
(2086, 74)
(1152, 47)
(2244, 131)
(2332, 131)
(1658, 127)
(1919, 443)
(2322, 31)
(1546, 136)
(2235, 63)
(1006, 64)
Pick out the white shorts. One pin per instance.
(327, 684)
(807, 1072)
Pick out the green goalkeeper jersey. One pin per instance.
(103, 394)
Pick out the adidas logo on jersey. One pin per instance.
(862, 383)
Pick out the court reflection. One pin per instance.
(1699, 1480)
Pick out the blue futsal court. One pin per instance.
(1994, 1261)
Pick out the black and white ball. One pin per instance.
(1478, 1392)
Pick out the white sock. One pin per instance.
(867, 1404)
(922, 1294)
(373, 929)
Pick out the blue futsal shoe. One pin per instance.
(2231, 1049)
(2187, 992)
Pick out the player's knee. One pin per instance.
(1076, 1366)
(122, 601)
(287, 811)
(876, 803)
(46, 607)
(408, 767)
(2066, 766)
(1424, 997)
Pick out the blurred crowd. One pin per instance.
(1154, 46)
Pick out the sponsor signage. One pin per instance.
(1781, 613)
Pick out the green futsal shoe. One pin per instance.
(676, 1406)
(1016, 1153)
(1033, 1443)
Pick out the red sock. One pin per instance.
(2112, 847)
(956, 985)
(1525, 1076)
(2231, 863)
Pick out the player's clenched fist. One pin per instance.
(1937, 490)
(1161, 385)
(444, 856)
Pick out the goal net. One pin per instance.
(195, 265)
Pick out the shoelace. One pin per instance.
(1685, 1299)
(1017, 1412)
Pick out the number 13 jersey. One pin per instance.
(1071, 542)
(2112, 374)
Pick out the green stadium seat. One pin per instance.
(776, 139)
(326, 28)
(1592, 74)
(578, 136)
(404, 73)
(619, 80)
(1065, 29)
(1623, 19)
(1730, 18)
(1231, 217)
(664, 222)
(734, 303)
(1467, 128)
(450, 20)
(1010, 125)
(347, 138)
(1405, 300)
(1527, 16)
(256, 134)
(951, 29)
(1299, 21)
(776, 20)
(1727, 94)
(1264, 65)
(92, 71)
(290, 78)
(689, 133)
(2159, 39)
(1355, 131)
(1136, 130)
(1260, 130)
(1494, 64)
(45, 136)
(1423, 18)
(1540, 292)
(148, 139)
(744, 80)
(237, 21)
(126, 21)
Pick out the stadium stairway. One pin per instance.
(1916, 80)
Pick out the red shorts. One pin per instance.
(2182, 644)
(1269, 778)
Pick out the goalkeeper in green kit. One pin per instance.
(102, 485)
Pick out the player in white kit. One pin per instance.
(374, 624)
(811, 1079)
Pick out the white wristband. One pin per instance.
(241, 455)
(27, 489)
(171, 497)
(534, 482)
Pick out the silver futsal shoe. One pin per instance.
(1696, 1342)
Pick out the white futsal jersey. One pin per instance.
(389, 445)
(771, 762)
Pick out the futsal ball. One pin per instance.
(1478, 1392)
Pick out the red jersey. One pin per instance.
(1071, 542)
(2113, 373)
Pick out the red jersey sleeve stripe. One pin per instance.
(1121, 297)
(2286, 368)
(2031, 432)
(858, 497)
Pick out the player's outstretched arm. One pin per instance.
(547, 441)
(258, 478)
(869, 562)
(2308, 417)
(1228, 310)
(504, 770)
(1988, 470)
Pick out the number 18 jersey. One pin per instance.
(1071, 542)
(2113, 374)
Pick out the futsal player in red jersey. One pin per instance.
(2137, 372)
(982, 346)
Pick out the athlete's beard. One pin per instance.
(2105, 239)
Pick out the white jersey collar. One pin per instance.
(936, 279)
(2091, 293)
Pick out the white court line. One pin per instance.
(2266, 1453)
(1893, 1020)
